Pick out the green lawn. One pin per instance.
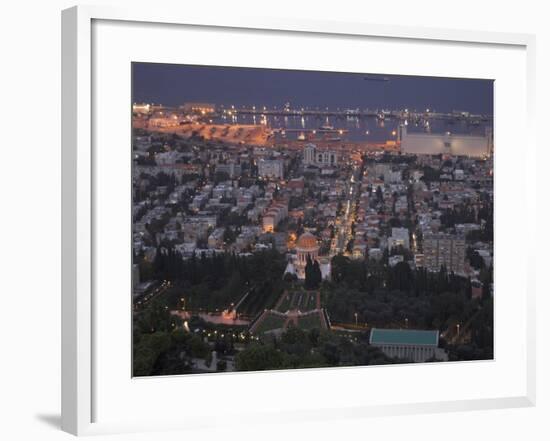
(285, 304)
(270, 321)
(311, 302)
(310, 321)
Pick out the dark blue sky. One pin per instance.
(172, 84)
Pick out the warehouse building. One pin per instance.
(448, 143)
(411, 344)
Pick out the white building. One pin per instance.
(231, 168)
(309, 154)
(271, 168)
(143, 108)
(399, 237)
(319, 158)
(275, 214)
(458, 175)
(392, 176)
(215, 240)
(447, 143)
(167, 158)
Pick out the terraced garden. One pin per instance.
(301, 300)
(311, 321)
(269, 321)
(299, 308)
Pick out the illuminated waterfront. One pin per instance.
(365, 129)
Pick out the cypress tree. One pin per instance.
(317, 276)
(309, 274)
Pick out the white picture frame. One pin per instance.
(79, 202)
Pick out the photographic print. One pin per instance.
(287, 219)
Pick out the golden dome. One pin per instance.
(307, 241)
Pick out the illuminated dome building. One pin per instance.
(307, 246)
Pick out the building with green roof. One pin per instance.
(411, 344)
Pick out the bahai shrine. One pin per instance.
(307, 246)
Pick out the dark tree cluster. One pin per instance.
(214, 282)
(162, 346)
(430, 174)
(368, 275)
(461, 214)
(297, 348)
(313, 274)
(399, 297)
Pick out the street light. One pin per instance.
(355, 319)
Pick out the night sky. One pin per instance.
(171, 85)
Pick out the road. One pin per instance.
(344, 220)
(147, 298)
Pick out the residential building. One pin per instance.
(399, 237)
(444, 250)
(232, 169)
(276, 212)
(318, 157)
(215, 240)
(271, 168)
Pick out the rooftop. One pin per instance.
(307, 241)
(403, 337)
